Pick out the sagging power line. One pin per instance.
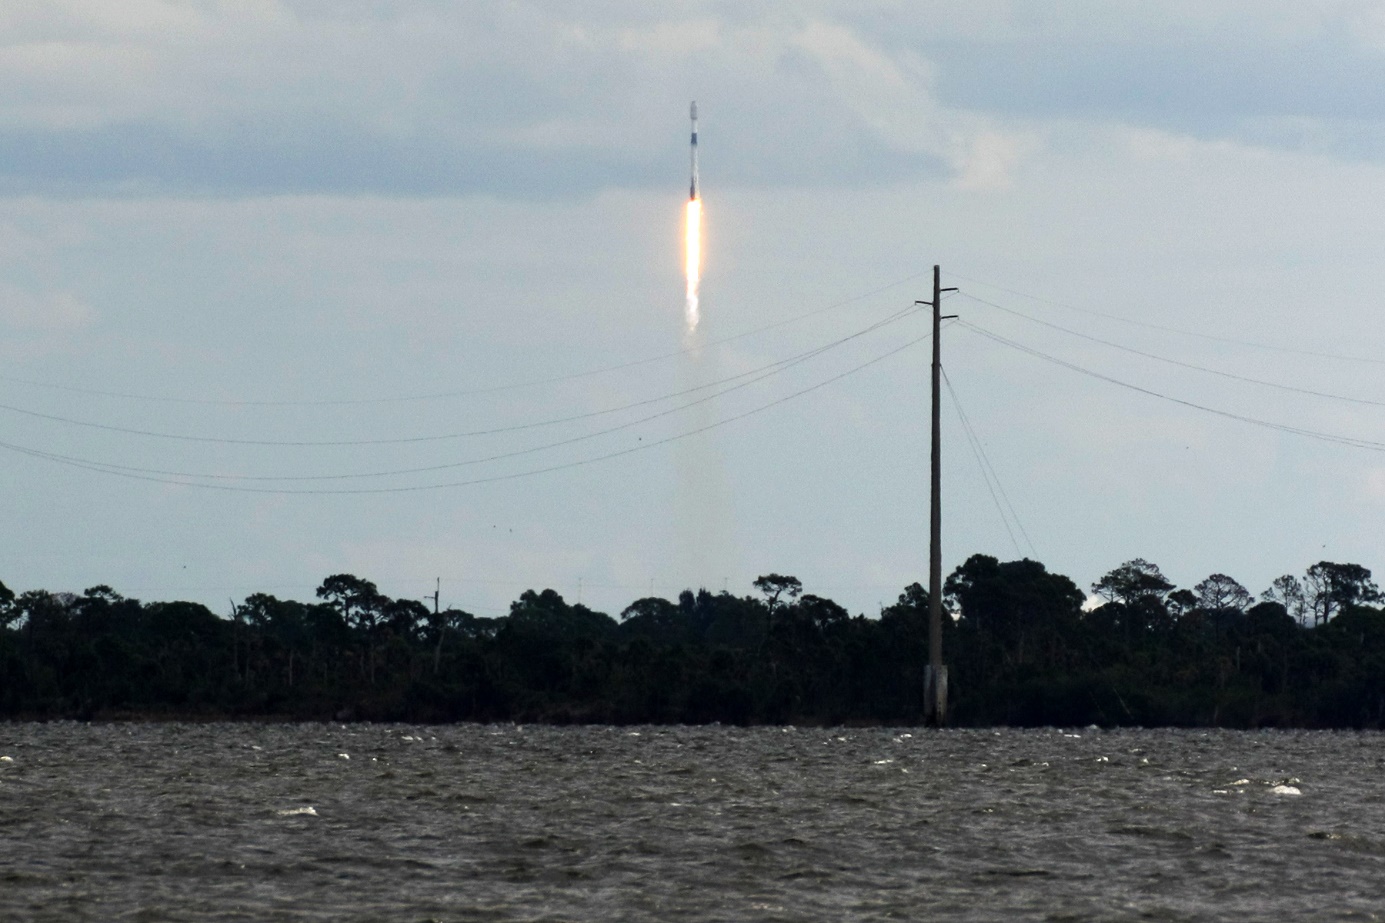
(1192, 366)
(760, 374)
(155, 477)
(1164, 328)
(467, 392)
(988, 474)
(765, 373)
(1338, 439)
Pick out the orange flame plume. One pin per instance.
(693, 260)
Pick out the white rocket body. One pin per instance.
(692, 189)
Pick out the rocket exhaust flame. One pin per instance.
(694, 261)
(693, 254)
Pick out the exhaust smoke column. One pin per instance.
(693, 251)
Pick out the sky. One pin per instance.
(291, 288)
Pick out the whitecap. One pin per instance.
(309, 811)
(6, 759)
(343, 756)
(1285, 790)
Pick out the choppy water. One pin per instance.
(209, 822)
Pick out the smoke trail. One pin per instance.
(705, 550)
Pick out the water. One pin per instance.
(209, 822)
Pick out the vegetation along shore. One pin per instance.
(1025, 647)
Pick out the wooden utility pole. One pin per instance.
(437, 622)
(935, 676)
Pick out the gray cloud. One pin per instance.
(1204, 90)
(143, 159)
(514, 100)
(1286, 75)
(140, 158)
(534, 100)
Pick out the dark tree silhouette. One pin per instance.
(1219, 592)
(1330, 588)
(1133, 582)
(775, 586)
(1288, 593)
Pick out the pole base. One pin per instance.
(935, 697)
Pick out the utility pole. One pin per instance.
(437, 622)
(935, 676)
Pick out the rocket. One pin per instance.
(692, 189)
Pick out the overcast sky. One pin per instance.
(446, 238)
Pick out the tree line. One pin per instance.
(1024, 647)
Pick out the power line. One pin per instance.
(985, 478)
(1253, 344)
(774, 369)
(154, 478)
(1352, 441)
(988, 473)
(467, 392)
(778, 365)
(1327, 395)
